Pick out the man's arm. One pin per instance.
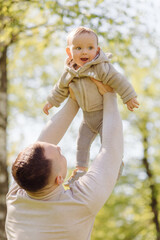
(55, 129)
(59, 123)
(96, 186)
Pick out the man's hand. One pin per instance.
(47, 107)
(132, 103)
(72, 94)
(101, 87)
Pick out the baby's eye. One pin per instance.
(90, 48)
(78, 48)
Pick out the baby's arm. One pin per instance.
(107, 74)
(49, 105)
(59, 93)
(131, 104)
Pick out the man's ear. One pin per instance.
(68, 51)
(59, 180)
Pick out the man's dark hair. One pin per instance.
(32, 170)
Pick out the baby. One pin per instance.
(86, 63)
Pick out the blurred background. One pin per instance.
(32, 54)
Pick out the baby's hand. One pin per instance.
(132, 103)
(47, 107)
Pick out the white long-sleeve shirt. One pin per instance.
(69, 214)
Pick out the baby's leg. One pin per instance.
(84, 141)
(87, 133)
(85, 138)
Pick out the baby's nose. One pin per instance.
(84, 51)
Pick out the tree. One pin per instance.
(12, 14)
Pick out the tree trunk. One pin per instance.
(3, 151)
(153, 190)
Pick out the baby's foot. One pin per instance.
(76, 174)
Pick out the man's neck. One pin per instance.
(43, 192)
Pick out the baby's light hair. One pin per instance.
(77, 31)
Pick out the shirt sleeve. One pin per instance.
(95, 187)
(59, 123)
(12, 189)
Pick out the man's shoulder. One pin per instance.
(12, 190)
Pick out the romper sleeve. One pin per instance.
(109, 75)
(60, 91)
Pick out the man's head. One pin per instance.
(82, 45)
(41, 166)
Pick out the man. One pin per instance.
(39, 208)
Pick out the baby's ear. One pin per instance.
(98, 50)
(68, 51)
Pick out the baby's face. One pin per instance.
(84, 48)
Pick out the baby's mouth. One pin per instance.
(84, 59)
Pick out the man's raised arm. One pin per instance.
(97, 185)
(59, 123)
